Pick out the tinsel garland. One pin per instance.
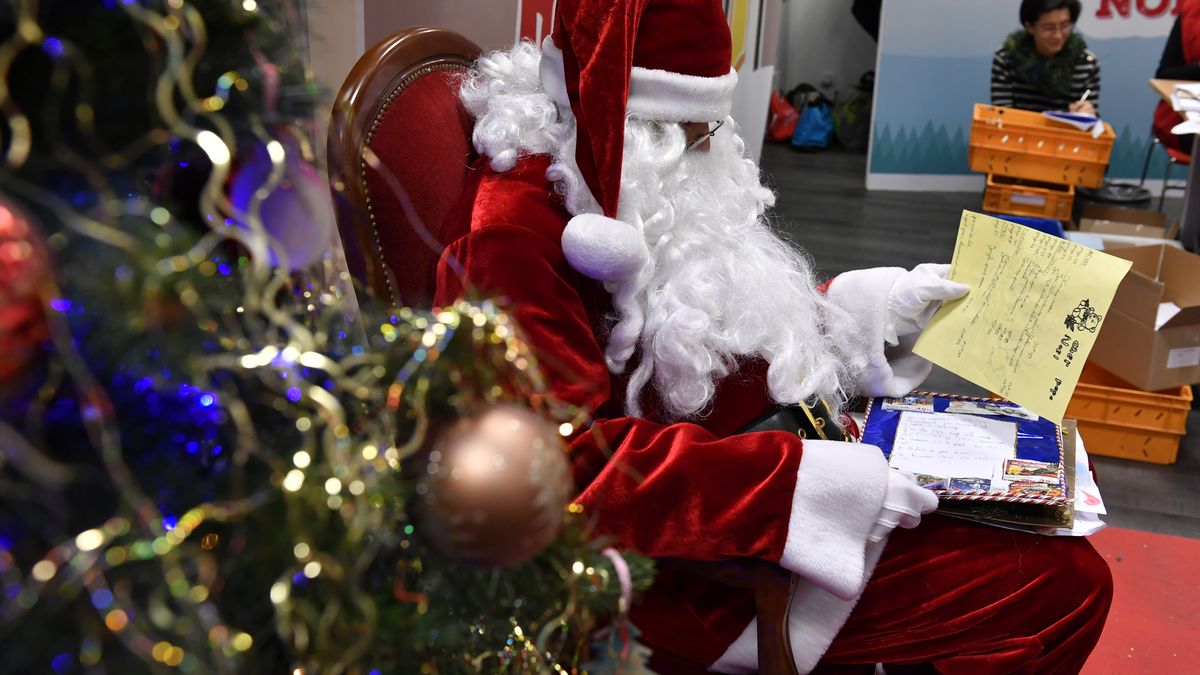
(227, 450)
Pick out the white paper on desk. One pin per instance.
(953, 446)
(1186, 98)
(1183, 104)
(1166, 312)
(1190, 123)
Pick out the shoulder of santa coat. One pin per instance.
(522, 197)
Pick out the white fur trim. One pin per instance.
(664, 96)
(658, 95)
(892, 370)
(814, 619)
(741, 656)
(840, 489)
(604, 248)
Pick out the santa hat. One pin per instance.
(663, 60)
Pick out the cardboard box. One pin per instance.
(1129, 346)
(1105, 242)
(1102, 219)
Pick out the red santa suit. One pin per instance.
(685, 490)
(701, 491)
(949, 592)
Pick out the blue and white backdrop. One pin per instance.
(935, 61)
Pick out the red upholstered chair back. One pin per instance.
(399, 153)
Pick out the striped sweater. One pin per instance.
(1009, 89)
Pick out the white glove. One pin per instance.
(916, 296)
(903, 505)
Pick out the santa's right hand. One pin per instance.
(903, 505)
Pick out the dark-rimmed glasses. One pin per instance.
(705, 136)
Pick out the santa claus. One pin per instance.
(615, 209)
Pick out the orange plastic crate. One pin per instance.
(1024, 144)
(1118, 420)
(1018, 197)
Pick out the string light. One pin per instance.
(44, 570)
(154, 577)
(89, 540)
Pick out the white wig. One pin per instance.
(719, 284)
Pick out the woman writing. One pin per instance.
(1046, 65)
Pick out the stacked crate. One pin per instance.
(1033, 163)
(1118, 420)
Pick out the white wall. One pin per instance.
(339, 31)
(821, 39)
(335, 41)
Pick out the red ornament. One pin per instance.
(24, 269)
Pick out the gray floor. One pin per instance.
(823, 204)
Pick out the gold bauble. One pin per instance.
(494, 487)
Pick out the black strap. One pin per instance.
(812, 422)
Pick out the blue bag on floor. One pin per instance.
(815, 127)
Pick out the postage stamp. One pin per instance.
(913, 402)
(1026, 470)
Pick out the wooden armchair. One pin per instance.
(399, 153)
(398, 123)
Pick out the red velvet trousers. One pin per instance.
(955, 597)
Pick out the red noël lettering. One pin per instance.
(1149, 8)
(1107, 7)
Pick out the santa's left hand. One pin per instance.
(916, 296)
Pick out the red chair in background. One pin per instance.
(1178, 153)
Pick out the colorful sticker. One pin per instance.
(930, 482)
(912, 402)
(994, 408)
(971, 484)
(1030, 471)
(1034, 489)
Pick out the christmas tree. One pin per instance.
(219, 456)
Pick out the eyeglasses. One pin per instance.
(705, 136)
(1049, 29)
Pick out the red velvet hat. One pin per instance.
(664, 60)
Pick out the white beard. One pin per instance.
(719, 284)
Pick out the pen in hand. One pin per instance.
(1082, 105)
